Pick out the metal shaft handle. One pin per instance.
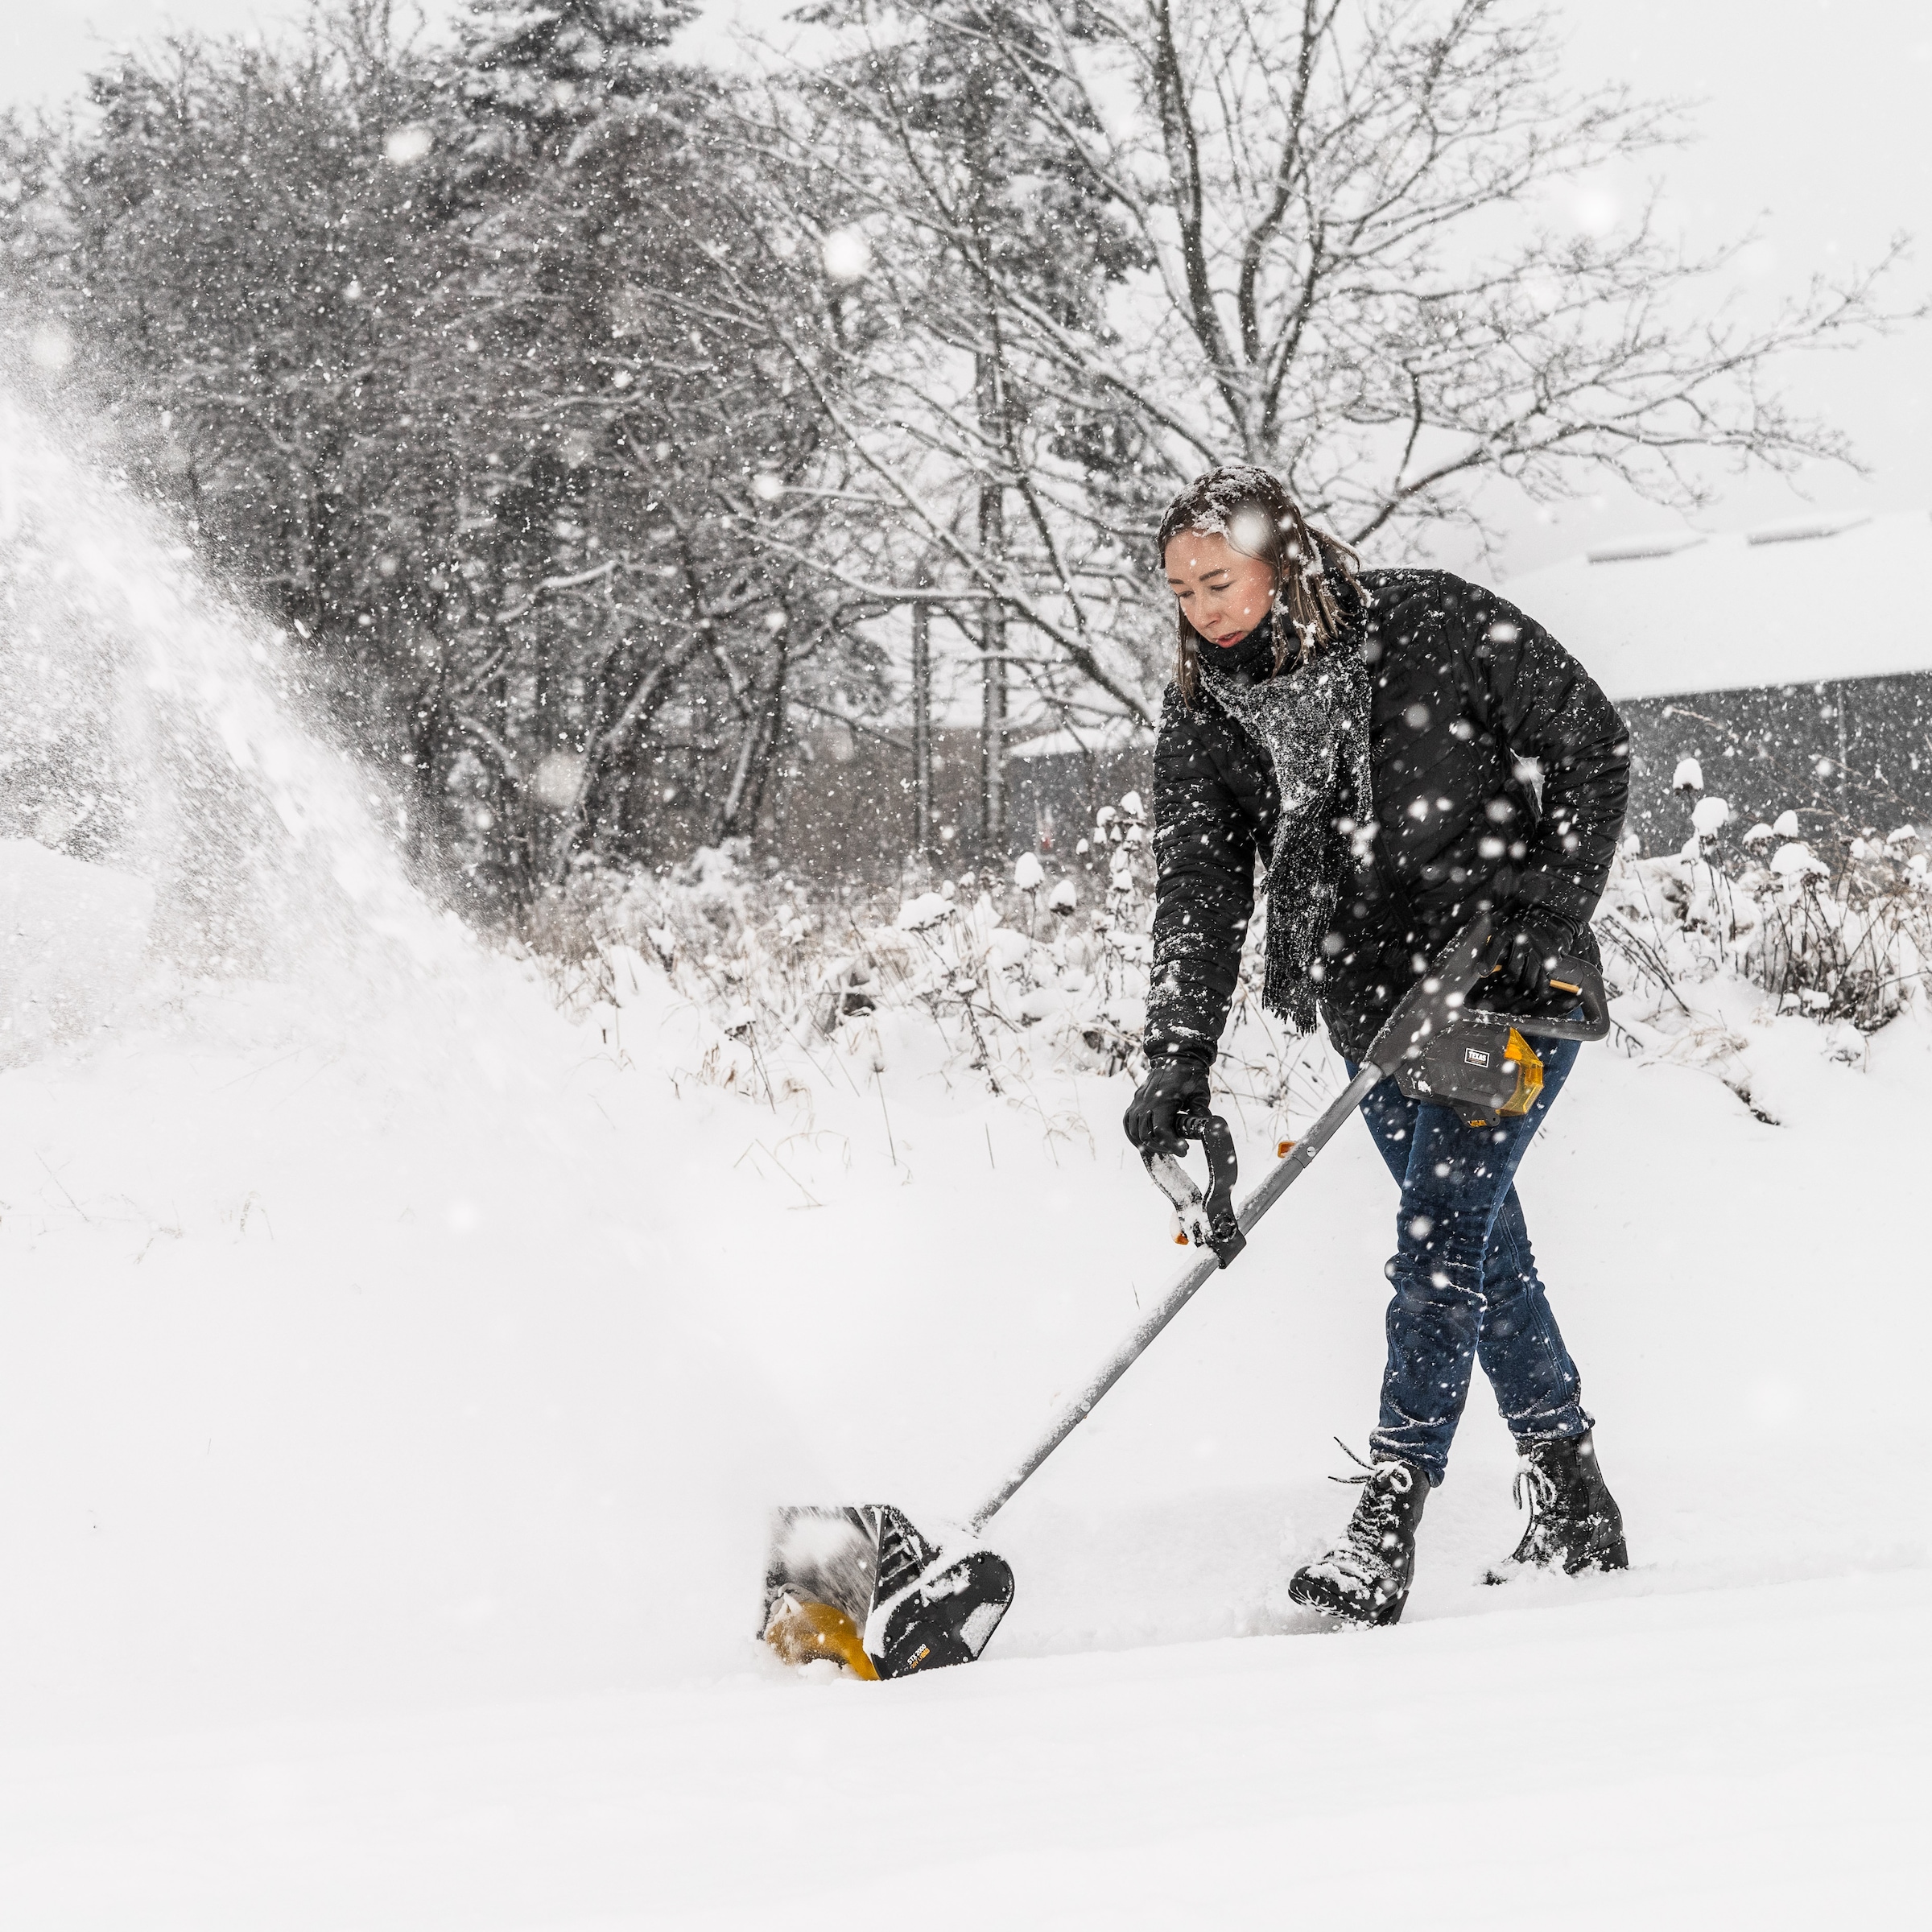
(1428, 1005)
(1279, 1178)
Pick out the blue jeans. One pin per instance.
(1465, 1280)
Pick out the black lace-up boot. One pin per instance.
(1364, 1578)
(1574, 1520)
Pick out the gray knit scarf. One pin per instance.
(1312, 720)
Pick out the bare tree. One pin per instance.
(1318, 236)
(934, 192)
(584, 411)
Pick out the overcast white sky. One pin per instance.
(1817, 130)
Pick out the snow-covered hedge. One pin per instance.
(1048, 960)
(1047, 955)
(1007, 972)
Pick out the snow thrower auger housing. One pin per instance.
(860, 1586)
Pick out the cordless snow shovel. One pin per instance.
(860, 1585)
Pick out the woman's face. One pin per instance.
(1224, 592)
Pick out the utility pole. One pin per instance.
(983, 94)
(993, 623)
(922, 723)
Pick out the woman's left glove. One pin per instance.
(1171, 1088)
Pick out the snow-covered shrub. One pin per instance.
(990, 959)
(1843, 942)
(1048, 964)
(1005, 973)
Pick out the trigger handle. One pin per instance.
(1223, 1233)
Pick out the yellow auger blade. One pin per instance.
(801, 1631)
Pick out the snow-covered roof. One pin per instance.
(1810, 598)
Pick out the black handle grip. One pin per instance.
(1224, 1233)
(1217, 1142)
(1578, 976)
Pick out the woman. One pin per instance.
(1370, 735)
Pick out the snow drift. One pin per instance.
(72, 941)
(374, 1213)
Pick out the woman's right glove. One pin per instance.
(1171, 1088)
(1524, 948)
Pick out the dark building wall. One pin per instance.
(845, 807)
(1848, 755)
(1759, 750)
(1053, 797)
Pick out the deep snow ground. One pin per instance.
(1711, 1759)
(389, 1400)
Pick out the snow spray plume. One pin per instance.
(146, 726)
(1314, 572)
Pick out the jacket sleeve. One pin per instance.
(1203, 850)
(1546, 707)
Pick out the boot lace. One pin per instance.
(1391, 1470)
(1534, 1487)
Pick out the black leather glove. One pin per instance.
(1171, 1088)
(1525, 945)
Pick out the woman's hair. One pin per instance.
(1253, 510)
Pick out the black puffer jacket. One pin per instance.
(1466, 689)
